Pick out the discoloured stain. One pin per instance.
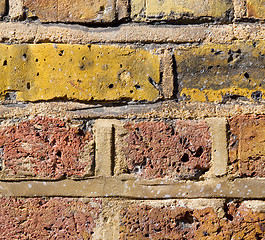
(213, 72)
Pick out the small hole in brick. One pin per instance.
(36, 60)
(137, 86)
(120, 65)
(5, 63)
(59, 153)
(111, 85)
(101, 8)
(61, 53)
(24, 56)
(28, 85)
(83, 58)
(38, 74)
(256, 95)
(199, 152)
(185, 158)
(212, 50)
(131, 91)
(246, 75)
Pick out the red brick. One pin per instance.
(176, 150)
(57, 218)
(173, 222)
(247, 146)
(45, 147)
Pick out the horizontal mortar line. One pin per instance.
(166, 109)
(14, 32)
(136, 188)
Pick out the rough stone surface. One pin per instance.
(213, 72)
(46, 147)
(100, 11)
(173, 10)
(145, 221)
(78, 72)
(246, 146)
(160, 149)
(15, 9)
(255, 9)
(55, 218)
(2, 7)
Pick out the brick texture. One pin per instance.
(179, 10)
(174, 222)
(246, 146)
(46, 147)
(78, 72)
(256, 9)
(40, 218)
(178, 150)
(101, 11)
(213, 72)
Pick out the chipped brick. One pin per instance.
(144, 221)
(159, 149)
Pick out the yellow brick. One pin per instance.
(78, 72)
(212, 71)
(173, 9)
(86, 10)
(74, 10)
(256, 8)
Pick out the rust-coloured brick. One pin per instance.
(46, 147)
(57, 218)
(173, 222)
(247, 146)
(159, 149)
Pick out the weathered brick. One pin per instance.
(247, 146)
(56, 218)
(100, 11)
(78, 72)
(46, 10)
(175, 10)
(158, 149)
(2, 7)
(256, 8)
(145, 221)
(46, 148)
(213, 72)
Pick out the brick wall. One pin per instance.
(138, 119)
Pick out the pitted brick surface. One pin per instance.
(38, 218)
(159, 149)
(45, 147)
(173, 222)
(246, 146)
